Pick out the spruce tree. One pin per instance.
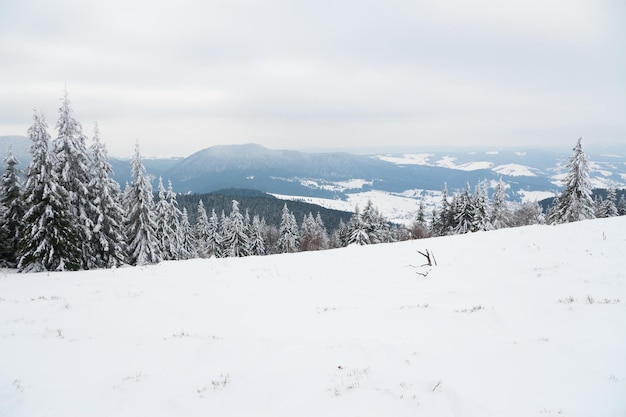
(50, 241)
(186, 236)
(108, 238)
(443, 219)
(257, 243)
(236, 240)
(482, 209)
(203, 233)
(313, 235)
(465, 211)
(215, 236)
(621, 206)
(71, 166)
(165, 220)
(500, 215)
(610, 204)
(143, 246)
(357, 230)
(174, 216)
(289, 236)
(12, 211)
(575, 202)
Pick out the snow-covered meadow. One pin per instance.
(515, 322)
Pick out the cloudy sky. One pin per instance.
(183, 75)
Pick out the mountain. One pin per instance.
(341, 180)
(323, 175)
(516, 322)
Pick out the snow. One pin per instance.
(408, 159)
(515, 322)
(449, 162)
(530, 196)
(398, 208)
(515, 170)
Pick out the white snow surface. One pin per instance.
(515, 322)
(397, 208)
(515, 170)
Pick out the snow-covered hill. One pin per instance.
(516, 322)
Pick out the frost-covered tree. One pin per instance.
(50, 241)
(166, 221)
(621, 206)
(375, 224)
(313, 235)
(500, 214)
(186, 237)
(420, 228)
(527, 213)
(465, 211)
(108, 237)
(11, 211)
(598, 207)
(289, 240)
(482, 208)
(357, 230)
(143, 246)
(236, 242)
(610, 204)
(257, 243)
(215, 237)
(71, 166)
(339, 236)
(175, 217)
(203, 232)
(443, 219)
(575, 202)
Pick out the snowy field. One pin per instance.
(517, 322)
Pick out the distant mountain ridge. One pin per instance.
(335, 175)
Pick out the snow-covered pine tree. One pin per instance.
(50, 241)
(289, 236)
(375, 224)
(257, 243)
(598, 206)
(214, 242)
(175, 217)
(357, 229)
(203, 232)
(339, 236)
(482, 209)
(621, 206)
(322, 237)
(186, 236)
(530, 212)
(236, 240)
(164, 225)
(464, 211)
(500, 215)
(71, 166)
(307, 230)
(443, 219)
(108, 238)
(420, 228)
(610, 204)
(313, 235)
(12, 213)
(143, 246)
(575, 202)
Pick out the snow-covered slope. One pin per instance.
(518, 322)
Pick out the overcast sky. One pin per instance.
(183, 75)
